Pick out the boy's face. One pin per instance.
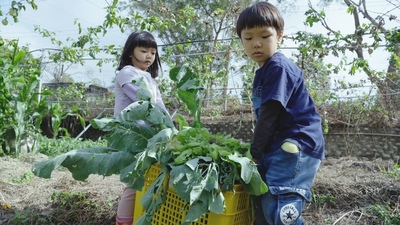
(260, 43)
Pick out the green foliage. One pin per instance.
(69, 208)
(321, 200)
(387, 215)
(57, 146)
(339, 45)
(143, 134)
(67, 102)
(21, 112)
(29, 217)
(25, 178)
(22, 106)
(198, 31)
(77, 208)
(392, 172)
(15, 9)
(189, 88)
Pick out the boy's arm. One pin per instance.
(269, 112)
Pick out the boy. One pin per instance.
(288, 143)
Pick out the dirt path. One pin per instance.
(35, 194)
(345, 191)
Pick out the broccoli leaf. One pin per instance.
(83, 162)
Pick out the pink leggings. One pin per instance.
(126, 206)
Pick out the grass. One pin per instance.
(393, 171)
(387, 214)
(67, 207)
(53, 147)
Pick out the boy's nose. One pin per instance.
(256, 44)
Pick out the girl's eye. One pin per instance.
(247, 39)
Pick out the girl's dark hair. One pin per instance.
(260, 14)
(140, 39)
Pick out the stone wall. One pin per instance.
(364, 143)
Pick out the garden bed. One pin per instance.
(347, 191)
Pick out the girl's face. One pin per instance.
(143, 58)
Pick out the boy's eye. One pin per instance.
(266, 36)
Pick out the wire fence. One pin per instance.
(360, 109)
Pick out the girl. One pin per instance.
(139, 59)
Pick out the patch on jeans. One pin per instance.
(289, 213)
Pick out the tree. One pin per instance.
(369, 34)
(15, 9)
(199, 33)
(58, 72)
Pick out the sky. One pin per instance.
(59, 16)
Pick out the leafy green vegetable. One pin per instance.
(199, 166)
(189, 87)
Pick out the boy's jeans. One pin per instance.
(289, 177)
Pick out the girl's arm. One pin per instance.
(130, 90)
(160, 102)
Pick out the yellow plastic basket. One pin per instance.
(238, 210)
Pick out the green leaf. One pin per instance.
(161, 137)
(83, 162)
(181, 121)
(129, 137)
(252, 181)
(188, 91)
(18, 57)
(246, 171)
(196, 210)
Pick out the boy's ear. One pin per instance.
(280, 37)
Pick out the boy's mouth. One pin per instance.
(257, 53)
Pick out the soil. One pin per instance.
(345, 192)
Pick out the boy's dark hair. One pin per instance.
(260, 14)
(140, 39)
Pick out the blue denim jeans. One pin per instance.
(289, 177)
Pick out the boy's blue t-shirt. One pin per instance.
(281, 80)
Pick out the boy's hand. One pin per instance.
(255, 160)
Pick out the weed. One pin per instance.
(57, 146)
(387, 215)
(29, 217)
(22, 217)
(321, 199)
(25, 178)
(391, 172)
(78, 208)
